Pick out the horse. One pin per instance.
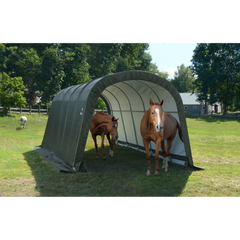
(158, 126)
(104, 124)
(23, 121)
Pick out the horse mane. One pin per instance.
(149, 124)
(101, 125)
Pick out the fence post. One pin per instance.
(39, 109)
(20, 110)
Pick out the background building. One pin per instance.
(192, 106)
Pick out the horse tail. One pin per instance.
(180, 131)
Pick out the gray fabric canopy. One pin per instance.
(127, 97)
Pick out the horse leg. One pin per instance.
(156, 156)
(110, 145)
(102, 145)
(146, 145)
(95, 143)
(164, 153)
(169, 145)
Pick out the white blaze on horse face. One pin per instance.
(158, 120)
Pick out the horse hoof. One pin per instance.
(166, 171)
(96, 158)
(163, 167)
(148, 175)
(104, 159)
(156, 175)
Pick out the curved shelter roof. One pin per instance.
(127, 96)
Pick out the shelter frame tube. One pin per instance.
(136, 111)
(131, 114)
(107, 103)
(120, 113)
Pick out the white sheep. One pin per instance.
(23, 121)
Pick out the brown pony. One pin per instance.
(158, 126)
(104, 124)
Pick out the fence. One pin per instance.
(27, 110)
(101, 110)
(236, 114)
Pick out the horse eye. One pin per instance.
(113, 126)
(152, 112)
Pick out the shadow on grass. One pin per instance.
(6, 115)
(122, 175)
(214, 118)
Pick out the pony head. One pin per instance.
(156, 115)
(112, 128)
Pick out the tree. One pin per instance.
(133, 56)
(76, 67)
(105, 59)
(39, 47)
(183, 79)
(225, 67)
(102, 59)
(217, 67)
(7, 58)
(28, 66)
(202, 70)
(11, 92)
(100, 104)
(154, 69)
(52, 74)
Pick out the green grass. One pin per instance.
(214, 142)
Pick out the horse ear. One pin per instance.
(161, 103)
(151, 102)
(113, 119)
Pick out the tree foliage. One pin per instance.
(11, 92)
(183, 79)
(52, 74)
(100, 104)
(28, 66)
(102, 59)
(48, 68)
(75, 64)
(217, 67)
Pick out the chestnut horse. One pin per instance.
(157, 126)
(104, 124)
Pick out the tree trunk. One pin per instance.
(5, 110)
(46, 107)
(225, 109)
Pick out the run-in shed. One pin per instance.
(127, 97)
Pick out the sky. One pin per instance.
(168, 56)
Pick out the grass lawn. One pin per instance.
(214, 142)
